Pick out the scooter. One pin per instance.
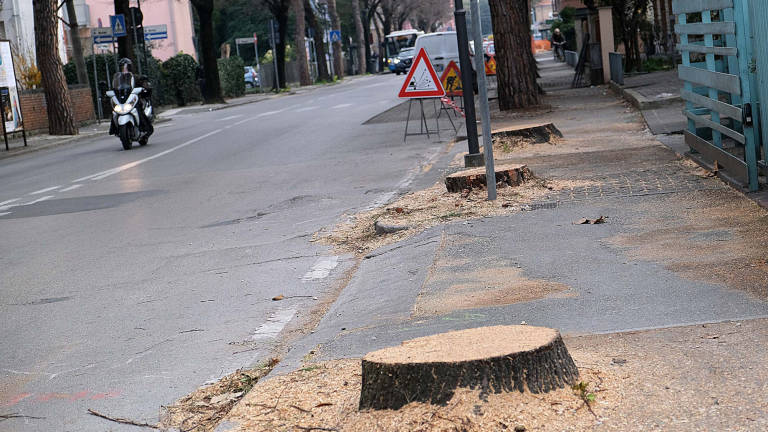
(126, 121)
(558, 51)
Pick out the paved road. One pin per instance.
(130, 278)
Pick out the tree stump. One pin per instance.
(492, 359)
(537, 134)
(509, 174)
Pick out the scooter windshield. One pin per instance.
(123, 85)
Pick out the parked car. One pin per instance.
(251, 77)
(442, 48)
(404, 60)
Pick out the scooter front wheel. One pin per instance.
(125, 137)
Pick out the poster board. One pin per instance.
(9, 92)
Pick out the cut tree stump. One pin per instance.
(538, 134)
(510, 174)
(492, 359)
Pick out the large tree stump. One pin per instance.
(492, 359)
(509, 174)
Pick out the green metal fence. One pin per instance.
(720, 83)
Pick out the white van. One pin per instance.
(441, 47)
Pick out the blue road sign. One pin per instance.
(117, 22)
(335, 35)
(156, 32)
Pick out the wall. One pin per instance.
(34, 107)
(18, 21)
(176, 14)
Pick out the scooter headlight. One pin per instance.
(123, 108)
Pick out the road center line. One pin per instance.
(9, 201)
(47, 197)
(322, 268)
(309, 108)
(342, 106)
(42, 191)
(104, 174)
(71, 188)
(230, 117)
(5, 213)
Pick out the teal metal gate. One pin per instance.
(721, 83)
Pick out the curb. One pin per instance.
(641, 102)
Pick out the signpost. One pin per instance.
(155, 32)
(335, 36)
(274, 32)
(117, 23)
(451, 80)
(420, 83)
(490, 170)
(10, 104)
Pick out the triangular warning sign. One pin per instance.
(490, 66)
(451, 80)
(421, 81)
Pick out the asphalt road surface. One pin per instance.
(129, 278)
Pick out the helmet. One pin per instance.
(557, 31)
(126, 65)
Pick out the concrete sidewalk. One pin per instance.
(680, 250)
(657, 96)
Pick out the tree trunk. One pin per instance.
(282, 22)
(338, 65)
(212, 88)
(125, 43)
(664, 25)
(301, 52)
(516, 67)
(61, 118)
(488, 359)
(359, 37)
(77, 48)
(322, 64)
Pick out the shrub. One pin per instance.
(179, 79)
(231, 75)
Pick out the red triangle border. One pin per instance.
(404, 93)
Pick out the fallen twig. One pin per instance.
(315, 428)
(300, 408)
(14, 415)
(122, 420)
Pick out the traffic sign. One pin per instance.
(101, 35)
(451, 80)
(490, 66)
(335, 35)
(155, 32)
(243, 41)
(422, 81)
(117, 23)
(255, 39)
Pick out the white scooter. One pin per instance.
(126, 121)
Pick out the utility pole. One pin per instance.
(490, 170)
(474, 158)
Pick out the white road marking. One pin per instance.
(322, 268)
(9, 201)
(342, 106)
(309, 108)
(104, 174)
(47, 197)
(5, 213)
(230, 117)
(42, 191)
(274, 324)
(71, 188)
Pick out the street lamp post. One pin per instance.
(474, 158)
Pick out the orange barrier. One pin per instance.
(540, 45)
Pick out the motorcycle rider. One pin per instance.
(123, 76)
(558, 40)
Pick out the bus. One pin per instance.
(396, 41)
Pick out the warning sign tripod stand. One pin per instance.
(422, 83)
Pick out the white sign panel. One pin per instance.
(8, 91)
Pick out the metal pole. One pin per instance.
(135, 39)
(96, 86)
(490, 172)
(274, 54)
(2, 110)
(258, 66)
(109, 80)
(474, 158)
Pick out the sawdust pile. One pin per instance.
(325, 396)
(423, 209)
(202, 410)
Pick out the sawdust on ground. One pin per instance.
(713, 236)
(203, 409)
(485, 287)
(704, 377)
(426, 208)
(325, 397)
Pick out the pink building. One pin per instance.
(176, 14)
